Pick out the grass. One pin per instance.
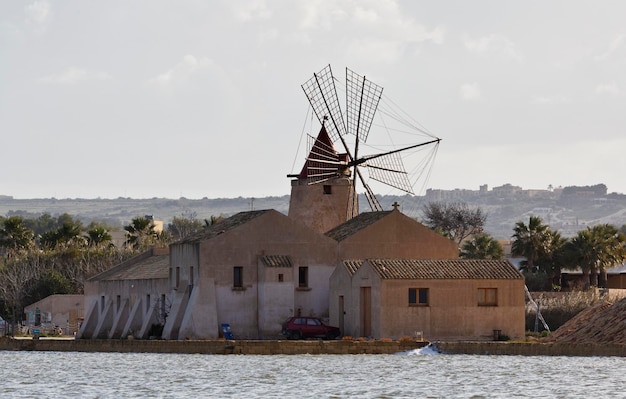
(558, 308)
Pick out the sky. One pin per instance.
(194, 99)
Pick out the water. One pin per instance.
(417, 374)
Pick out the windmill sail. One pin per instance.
(362, 100)
(322, 95)
(389, 169)
(324, 163)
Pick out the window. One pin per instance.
(190, 275)
(177, 281)
(238, 277)
(281, 277)
(303, 276)
(327, 189)
(487, 297)
(418, 296)
(118, 302)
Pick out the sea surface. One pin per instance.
(416, 374)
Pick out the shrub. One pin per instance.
(557, 308)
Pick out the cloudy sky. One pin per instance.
(200, 99)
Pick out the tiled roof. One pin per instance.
(142, 267)
(352, 266)
(355, 224)
(444, 269)
(223, 226)
(276, 261)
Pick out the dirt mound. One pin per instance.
(603, 323)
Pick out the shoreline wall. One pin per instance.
(217, 347)
(339, 347)
(530, 348)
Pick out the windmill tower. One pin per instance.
(324, 193)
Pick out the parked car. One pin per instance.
(308, 327)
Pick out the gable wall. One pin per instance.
(397, 236)
(269, 234)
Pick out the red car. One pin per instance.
(308, 327)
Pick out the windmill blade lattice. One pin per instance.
(389, 169)
(362, 98)
(322, 95)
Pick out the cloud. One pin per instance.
(470, 91)
(493, 44)
(73, 75)
(181, 72)
(614, 46)
(550, 100)
(37, 16)
(38, 13)
(252, 10)
(609, 88)
(321, 15)
(378, 27)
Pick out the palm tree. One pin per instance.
(66, 236)
(553, 260)
(15, 236)
(609, 249)
(98, 237)
(482, 246)
(579, 251)
(140, 233)
(530, 241)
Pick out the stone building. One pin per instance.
(128, 299)
(450, 299)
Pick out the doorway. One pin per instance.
(366, 311)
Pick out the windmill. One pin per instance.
(324, 163)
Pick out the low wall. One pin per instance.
(340, 347)
(221, 347)
(530, 348)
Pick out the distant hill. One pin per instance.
(120, 211)
(566, 210)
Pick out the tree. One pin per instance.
(456, 221)
(182, 226)
(610, 249)
(553, 260)
(580, 254)
(530, 241)
(595, 250)
(49, 283)
(66, 234)
(97, 237)
(140, 233)
(15, 236)
(482, 246)
(16, 277)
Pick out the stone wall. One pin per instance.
(243, 347)
(340, 347)
(531, 349)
